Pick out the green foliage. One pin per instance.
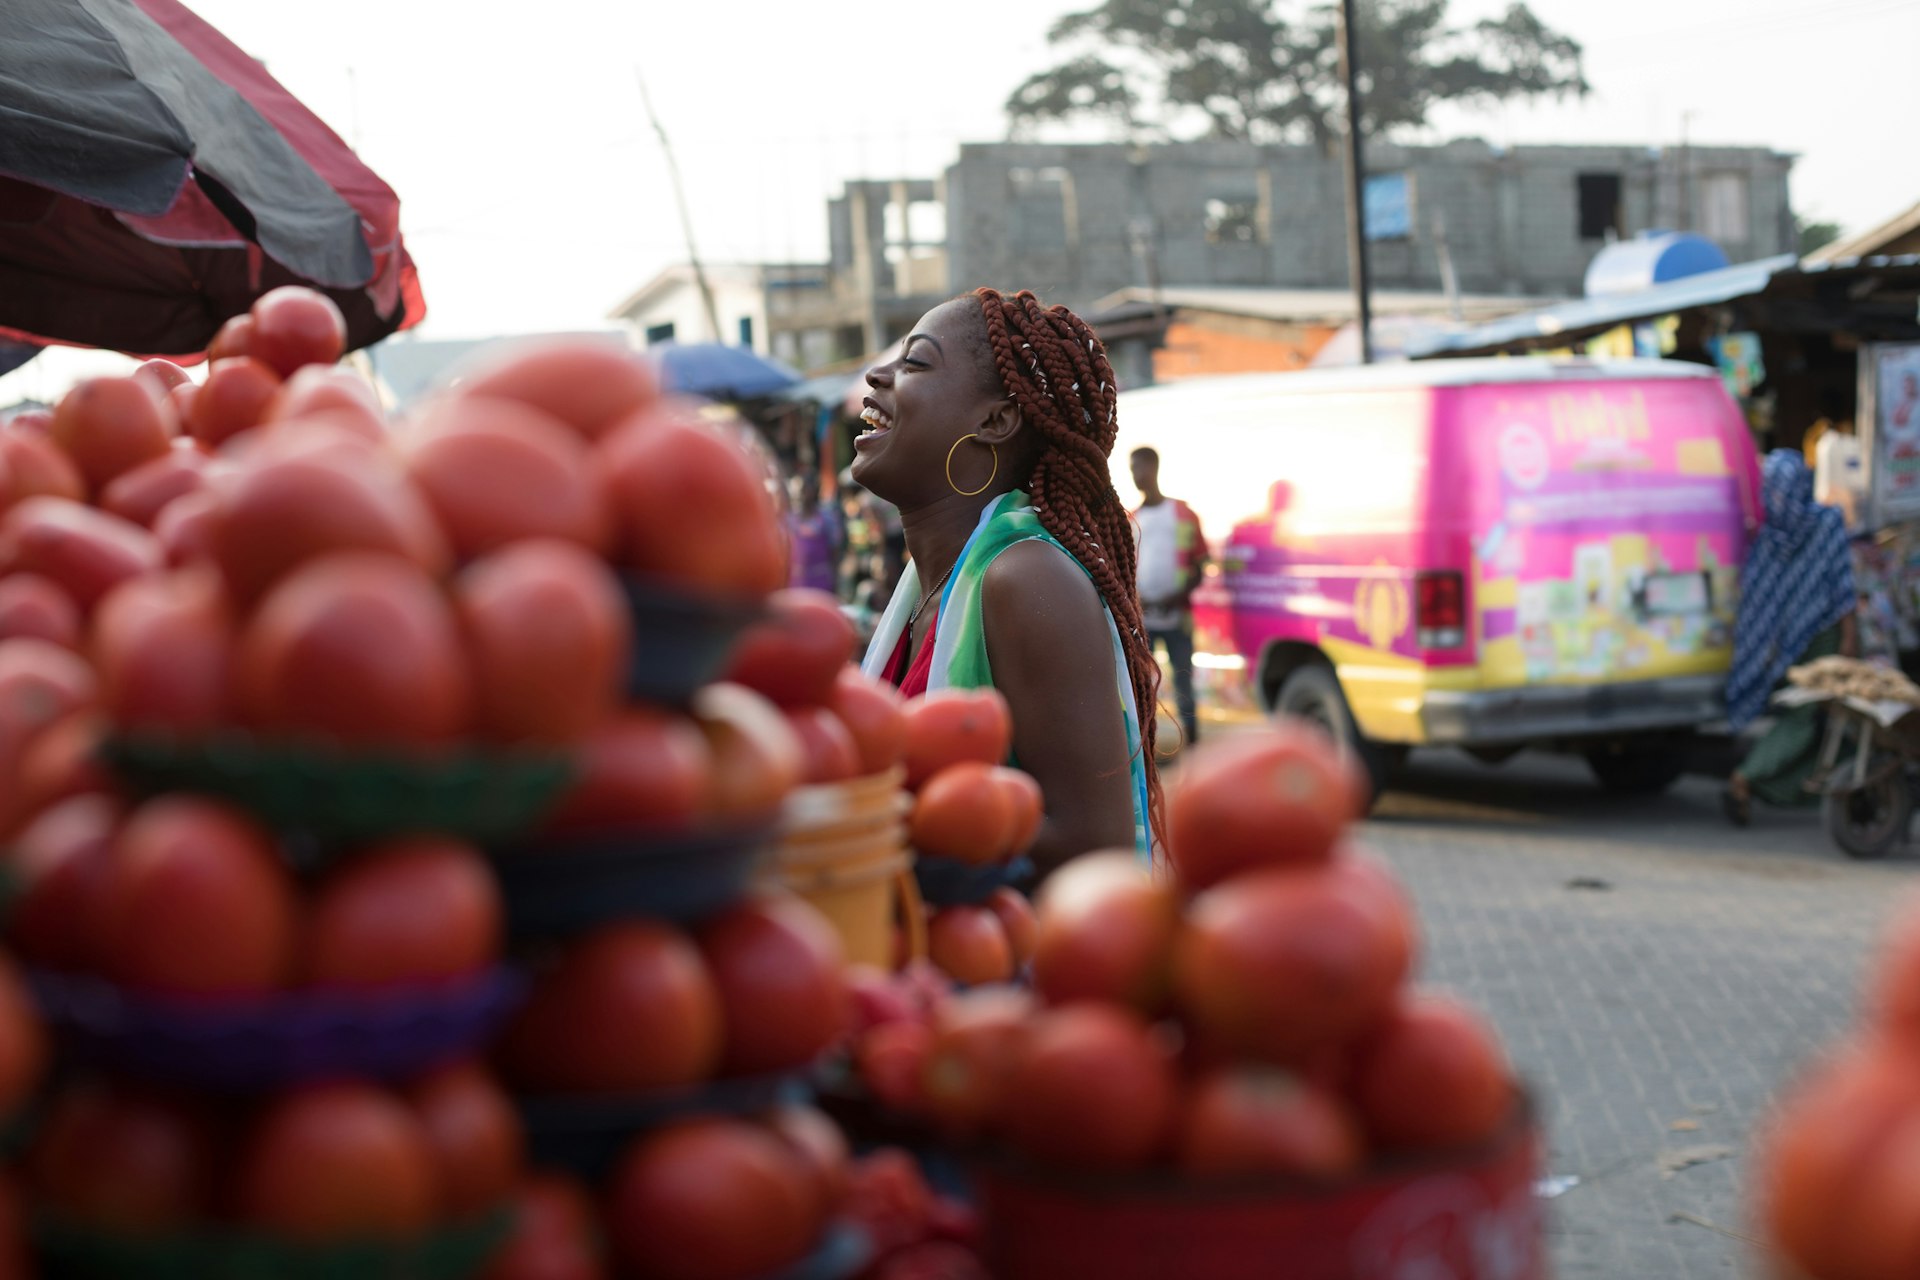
(1268, 70)
(1814, 235)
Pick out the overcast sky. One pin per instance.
(534, 195)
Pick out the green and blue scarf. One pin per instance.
(960, 640)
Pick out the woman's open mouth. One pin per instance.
(878, 424)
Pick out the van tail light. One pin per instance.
(1442, 616)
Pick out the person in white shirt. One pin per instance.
(1173, 557)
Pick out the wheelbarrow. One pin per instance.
(1869, 771)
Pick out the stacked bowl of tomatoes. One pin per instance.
(1220, 1062)
(352, 767)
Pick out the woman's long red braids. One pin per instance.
(1057, 372)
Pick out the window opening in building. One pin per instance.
(1037, 215)
(660, 333)
(746, 331)
(1233, 220)
(1601, 217)
(1724, 215)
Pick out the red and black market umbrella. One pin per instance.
(155, 180)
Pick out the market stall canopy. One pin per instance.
(719, 372)
(155, 180)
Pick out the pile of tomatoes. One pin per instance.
(1248, 1015)
(1837, 1195)
(262, 559)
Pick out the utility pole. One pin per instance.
(1357, 265)
(686, 218)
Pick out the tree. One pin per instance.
(1268, 70)
(1814, 235)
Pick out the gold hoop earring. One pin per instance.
(968, 493)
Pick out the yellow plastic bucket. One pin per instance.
(843, 848)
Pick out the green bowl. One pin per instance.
(450, 1253)
(338, 797)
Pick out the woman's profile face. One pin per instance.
(939, 388)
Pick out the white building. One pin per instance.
(750, 300)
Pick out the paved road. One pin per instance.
(1656, 974)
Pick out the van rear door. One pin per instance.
(1606, 522)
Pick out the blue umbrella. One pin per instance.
(719, 372)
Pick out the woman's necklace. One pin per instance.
(915, 615)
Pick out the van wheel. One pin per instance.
(1312, 693)
(1637, 768)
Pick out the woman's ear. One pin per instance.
(1002, 423)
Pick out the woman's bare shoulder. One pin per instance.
(1040, 580)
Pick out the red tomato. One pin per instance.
(357, 648)
(963, 812)
(976, 1039)
(1280, 798)
(629, 1008)
(23, 1042)
(877, 998)
(1836, 1167)
(710, 1200)
(1893, 999)
(1018, 919)
(163, 648)
(475, 1135)
(181, 399)
(424, 909)
(338, 1161)
(825, 744)
(339, 395)
(691, 508)
(61, 761)
(235, 338)
(40, 684)
(1029, 805)
(162, 375)
(1107, 931)
(280, 512)
(874, 714)
(294, 326)
(109, 426)
(556, 1233)
(1431, 1076)
(590, 386)
(33, 607)
(779, 968)
(798, 651)
(186, 528)
(234, 398)
(1277, 964)
(125, 1158)
(61, 861)
(139, 495)
(642, 768)
(549, 637)
(821, 1149)
(757, 759)
(891, 1061)
(1262, 1121)
(33, 466)
(196, 902)
(86, 552)
(969, 946)
(1091, 1088)
(496, 472)
(956, 725)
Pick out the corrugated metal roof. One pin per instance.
(1590, 315)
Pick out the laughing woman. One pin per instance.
(991, 431)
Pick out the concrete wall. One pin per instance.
(1511, 218)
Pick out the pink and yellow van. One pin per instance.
(1488, 554)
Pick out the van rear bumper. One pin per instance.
(1495, 717)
